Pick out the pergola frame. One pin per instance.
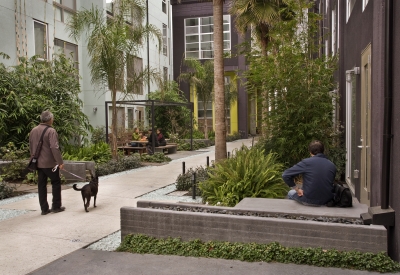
(153, 104)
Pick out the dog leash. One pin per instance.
(55, 169)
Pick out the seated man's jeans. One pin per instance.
(292, 194)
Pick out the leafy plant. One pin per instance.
(297, 84)
(32, 178)
(252, 252)
(115, 166)
(5, 190)
(233, 137)
(184, 181)
(99, 152)
(17, 161)
(156, 157)
(31, 87)
(249, 173)
(98, 135)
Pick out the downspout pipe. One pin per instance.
(387, 115)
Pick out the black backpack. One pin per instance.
(341, 196)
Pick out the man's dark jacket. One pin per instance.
(318, 176)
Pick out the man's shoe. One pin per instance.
(56, 210)
(46, 212)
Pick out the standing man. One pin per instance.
(49, 158)
(318, 175)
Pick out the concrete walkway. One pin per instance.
(30, 241)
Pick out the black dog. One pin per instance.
(89, 190)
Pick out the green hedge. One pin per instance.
(252, 252)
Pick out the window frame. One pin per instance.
(63, 7)
(364, 4)
(46, 39)
(349, 8)
(165, 39)
(76, 57)
(164, 6)
(200, 33)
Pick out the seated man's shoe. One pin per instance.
(56, 210)
(46, 212)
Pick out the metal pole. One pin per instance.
(106, 103)
(191, 127)
(194, 186)
(229, 154)
(153, 140)
(208, 161)
(183, 167)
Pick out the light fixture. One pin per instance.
(94, 109)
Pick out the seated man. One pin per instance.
(150, 138)
(318, 175)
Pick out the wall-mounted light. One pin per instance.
(94, 109)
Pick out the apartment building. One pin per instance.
(38, 27)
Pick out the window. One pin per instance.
(164, 39)
(365, 2)
(134, 70)
(200, 109)
(40, 32)
(165, 73)
(164, 6)
(110, 7)
(64, 9)
(349, 9)
(199, 37)
(70, 50)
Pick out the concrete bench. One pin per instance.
(170, 148)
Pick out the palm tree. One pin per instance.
(259, 15)
(112, 44)
(201, 77)
(219, 93)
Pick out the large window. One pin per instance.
(69, 49)
(110, 7)
(365, 2)
(164, 6)
(165, 73)
(199, 37)
(349, 9)
(40, 32)
(165, 40)
(134, 70)
(64, 9)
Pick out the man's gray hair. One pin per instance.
(46, 116)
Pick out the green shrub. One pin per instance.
(252, 252)
(32, 178)
(233, 137)
(249, 173)
(184, 181)
(115, 166)
(197, 134)
(17, 161)
(98, 135)
(99, 152)
(5, 190)
(156, 157)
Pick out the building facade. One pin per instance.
(193, 38)
(365, 34)
(38, 27)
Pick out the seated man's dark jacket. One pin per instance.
(318, 176)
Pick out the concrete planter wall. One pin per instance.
(291, 233)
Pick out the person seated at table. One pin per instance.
(150, 142)
(160, 138)
(143, 136)
(135, 137)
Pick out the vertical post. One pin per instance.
(229, 154)
(153, 135)
(191, 126)
(106, 103)
(194, 186)
(183, 168)
(208, 161)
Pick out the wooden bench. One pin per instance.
(170, 148)
(129, 149)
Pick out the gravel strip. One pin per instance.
(6, 214)
(18, 198)
(261, 215)
(109, 243)
(162, 194)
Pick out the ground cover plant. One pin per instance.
(156, 157)
(17, 159)
(5, 189)
(248, 173)
(252, 252)
(115, 166)
(99, 152)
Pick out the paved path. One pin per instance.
(30, 241)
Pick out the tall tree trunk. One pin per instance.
(114, 123)
(264, 29)
(219, 91)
